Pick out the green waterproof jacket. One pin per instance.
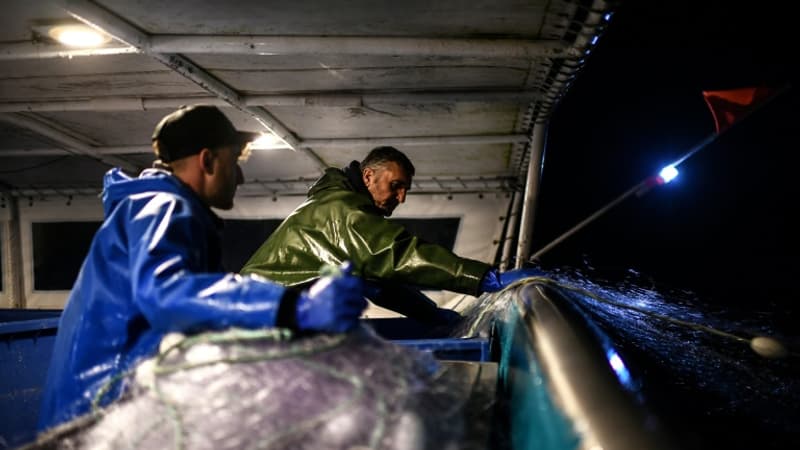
(339, 222)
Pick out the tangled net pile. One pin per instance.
(243, 389)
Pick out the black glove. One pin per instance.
(409, 302)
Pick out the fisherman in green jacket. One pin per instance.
(344, 218)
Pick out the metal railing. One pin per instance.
(557, 361)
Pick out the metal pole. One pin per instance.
(642, 185)
(645, 185)
(12, 256)
(512, 222)
(531, 193)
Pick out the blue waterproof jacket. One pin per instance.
(154, 267)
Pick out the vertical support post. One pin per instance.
(12, 257)
(512, 224)
(531, 193)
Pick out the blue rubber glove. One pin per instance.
(333, 304)
(494, 281)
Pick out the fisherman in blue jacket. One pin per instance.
(154, 267)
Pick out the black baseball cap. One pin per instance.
(192, 128)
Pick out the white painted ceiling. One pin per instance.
(457, 85)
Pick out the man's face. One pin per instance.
(226, 177)
(388, 185)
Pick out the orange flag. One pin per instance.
(731, 105)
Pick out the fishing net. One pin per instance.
(693, 361)
(243, 389)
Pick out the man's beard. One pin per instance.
(387, 210)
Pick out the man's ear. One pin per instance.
(207, 161)
(366, 175)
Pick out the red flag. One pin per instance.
(733, 104)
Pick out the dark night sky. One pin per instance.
(725, 228)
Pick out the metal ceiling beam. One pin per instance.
(416, 140)
(70, 142)
(299, 186)
(96, 16)
(296, 45)
(40, 50)
(321, 100)
(103, 151)
(359, 45)
(422, 185)
(107, 104)
(517, 96)
(310, 143)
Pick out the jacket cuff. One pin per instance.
(472, 274)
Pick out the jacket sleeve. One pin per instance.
(172, 288)
(386, 250)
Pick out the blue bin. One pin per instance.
(471, 349)
(26, 344)
(410, 333)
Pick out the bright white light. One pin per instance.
(668, 173)
(78, 36)
(268, 141)
(619, 367)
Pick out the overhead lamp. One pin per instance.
(78, 35)
(268, 141)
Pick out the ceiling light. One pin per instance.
(268, 142)
(78, 36)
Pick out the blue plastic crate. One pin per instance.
(408, 332)
(26, 344)
(471, 349)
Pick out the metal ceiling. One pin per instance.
(456, 85)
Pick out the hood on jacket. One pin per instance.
(348, 178)
(117, 185)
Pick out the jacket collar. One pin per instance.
(353, 174)
(117, 186)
